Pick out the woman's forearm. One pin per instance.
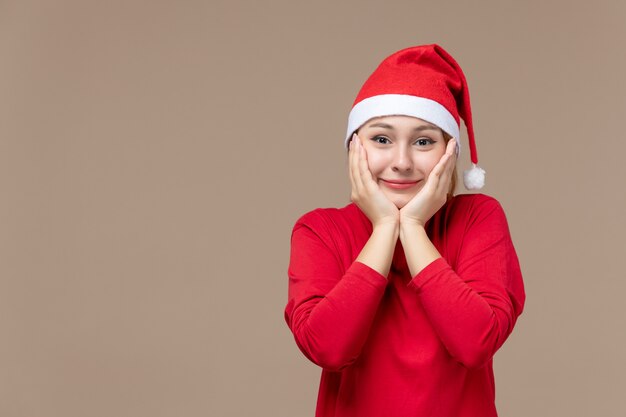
(378, 251)
(418, 249)
(473, 318)
(331, 309)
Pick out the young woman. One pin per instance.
(404, 295)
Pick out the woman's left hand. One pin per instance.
(433, 194)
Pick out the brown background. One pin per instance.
(154, 156)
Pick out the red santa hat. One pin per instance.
(424, 82)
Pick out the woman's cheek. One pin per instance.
(431, 162)
(376, 163)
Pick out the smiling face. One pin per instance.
(401, 153)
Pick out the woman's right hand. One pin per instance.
(366, 193)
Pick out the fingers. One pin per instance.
(363, 180)
(439, 177)
(448, 168)
(361, 172)
(351, 164)
(449, 157)
(364, 171)
(355, 169)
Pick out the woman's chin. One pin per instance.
(400, 200)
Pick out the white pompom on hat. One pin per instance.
(424, 82)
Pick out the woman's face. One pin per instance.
(401, 153)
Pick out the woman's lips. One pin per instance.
(399, 185)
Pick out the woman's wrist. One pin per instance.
(387, 222)
(408, 228)
(411, 223)
(387, 227)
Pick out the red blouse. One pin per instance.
(405, 346)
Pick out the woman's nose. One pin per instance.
(402, 161)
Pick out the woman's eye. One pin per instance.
(424, 141)
(380, 139)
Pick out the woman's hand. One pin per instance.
(365, 191)
(433, 194)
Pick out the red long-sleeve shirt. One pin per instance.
(405, 346)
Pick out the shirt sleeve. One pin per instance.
(474, 309)
(328, 311)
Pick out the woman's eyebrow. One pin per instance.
(417, 129)
(425, 127)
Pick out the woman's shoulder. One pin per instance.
(330, 216)
(474, 201)
(474, 208)
(329, 213)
